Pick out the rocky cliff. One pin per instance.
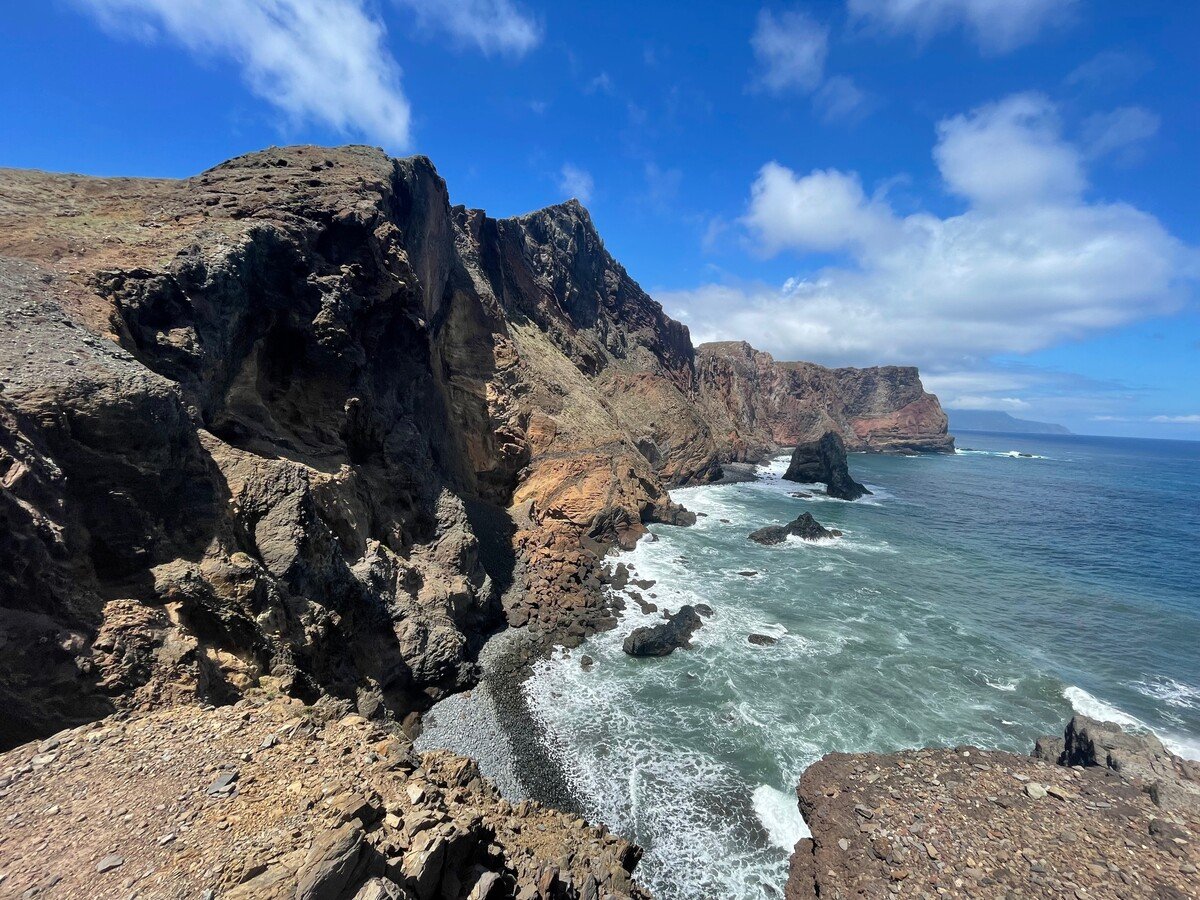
(300, 422)
(754, 402)
(261, 427)
(1094, 813)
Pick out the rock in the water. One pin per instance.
(824, 461)
(762, 640)
(803, 526)
(770, 534)
(664, 639)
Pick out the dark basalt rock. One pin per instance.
(803, 526)
(770, 534)
(824, 461)
(762, 640)
(664, 639)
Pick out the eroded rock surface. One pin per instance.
(972, 823)
(755, 403)
(804, 526)
(824, 461)
(299, 423)
(666, 637)
(272, 799)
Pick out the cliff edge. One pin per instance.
(755, 402)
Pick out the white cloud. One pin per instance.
(1028, 264)
(324, 61)
(1109, 69)
(493, 26)
(1177, 420)
(824, 210)
(576, 182)
(790, 49)
(1007, 153)
(1120, 132)
(983, 401)
(997, 26)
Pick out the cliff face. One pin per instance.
(754, 402)
(260, 427)
(299, 423)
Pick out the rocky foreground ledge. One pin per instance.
(272, 799)
(1097, 813)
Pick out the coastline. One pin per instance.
(493, 725)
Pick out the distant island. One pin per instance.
(990, 420)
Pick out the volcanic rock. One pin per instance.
(803, 526)
(663, 639)
(996, 824)
(824, 461)
(755, 404)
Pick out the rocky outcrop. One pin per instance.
(975, 823)
(666, 637)
(803, 526)
(299, 423)
(274, 800)
(755, 404)
(824, 461)
(1173, 782)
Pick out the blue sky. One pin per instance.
(1000, 191)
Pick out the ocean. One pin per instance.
(979, 598)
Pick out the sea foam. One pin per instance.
(780, 816)
(1094, 708)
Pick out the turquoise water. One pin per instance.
(977, 598)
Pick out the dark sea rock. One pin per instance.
(664, 639)
(704, 609)
(770, 534)
(803, 526)
(762, 640)
(824, 461)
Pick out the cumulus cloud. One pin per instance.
(824, 210)
(997, 26)
(576, 182)
(1009, 153)
(1030, 261)
(493, 26)
(322, 61)
(790, 49)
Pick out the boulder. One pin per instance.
(762, 640)
(665, 638)
(824, 461)
(770, 534)
(803, 526)
(331, 863)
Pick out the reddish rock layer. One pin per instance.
(754, 402)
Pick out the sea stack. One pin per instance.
(665, 638)
(824, 460)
